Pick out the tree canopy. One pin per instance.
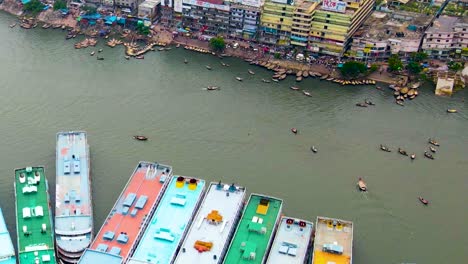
(217, 44)
(34, 7)
(455, 66)
(414, 67)
(142, 29)
(89, 9)
(394, 63)
(352, 69)
(418, 56)
(60, 4)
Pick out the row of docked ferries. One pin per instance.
(160, 218)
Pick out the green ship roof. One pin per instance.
(33, 217)
(254, 232)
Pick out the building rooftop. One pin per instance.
(33, 216)
(73, 204)
(127, 219)
(292, 242)
(333, 241)
(7, 251)
(254, 233)
(443, 24)
(170, 221)
(209, 235)
(150, 3)
(382, 26)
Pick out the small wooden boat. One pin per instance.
(282, 77)
(239, 79)
(212, 88)
(141, 138)
(423, 201)
(451, 110)
(100, 50)
(12, 25)
(313, 149)
(311, 74)
(294, 88)
(362, 185)
(208, 67)
(402, 152)
(385, 148)
(35, 25)
(299, 73)
(361, 104)
(400, 103)
(294, 130)
(275, 80)
(92, 53)
(298, 79)
(433, 142)
(127, 57)
(185, 61)
(25, 25)
(330, 79)
(413, 156)
(56, 26)
(63, 27)
(305, 74)
(100, 58)
(318, 74)
(324, 77)
(428, 155)
(227, 65)
(141, 57)
(251, 72)
(434, 150)
(266, 81)
(306, 93)
(222, 63)
(369, 102)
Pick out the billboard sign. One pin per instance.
(206, 5)
(334, 5)
(178, 6)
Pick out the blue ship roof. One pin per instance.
(6, 249)
(170, 221)
(95, 256)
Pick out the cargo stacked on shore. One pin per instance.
(73, 204)
(33, 217)
(7, 251)
(127, 220)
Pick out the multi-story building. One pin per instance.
(131, 4)
(244, 18)
(149, 9)
(334, 23)
(276, 22)
(384, 34)
(446, 35)
(301, 22)
(207, 16)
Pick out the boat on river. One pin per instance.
(362, 185)
(251, 72)
(7, 251)
(34, 226)
(333, 241)
(239, 79)
(254, 233)
(295, 88)
(73, 200)
(213, 226)
(451, 110)
(292, 243)
(12, 25)
(127, 220)
(168, 225)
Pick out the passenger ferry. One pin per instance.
(293, 242)
(128, 218)
(7, 251)
(333, 241)
(255, 231)
(167, 227)
(33, 217)
(211, 231)
(73, 203)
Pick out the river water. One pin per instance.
(241, 134)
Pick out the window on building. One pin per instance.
(325, 27)
(438, 40)
(328, 15)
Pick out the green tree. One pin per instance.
(89, 9)
(217, 44)
(60, 4)
(352, 69)
(34, 7)
(455, 66)
(414, 67)
(142, 29)
(394, 63)
(418, 56)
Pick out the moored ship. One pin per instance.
(292, 243)
(73, 204)
(7, 251)
(254, 233)
(333, 241)
(33, 217)
(168, 225)
(212, 228)
(129, 216)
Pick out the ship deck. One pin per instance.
(254, 232)
(292, 242)
(7, 251)
(336, 234)
(73, 205)
(123, 225)
(171, 219)
(33, 216)
(209, 235)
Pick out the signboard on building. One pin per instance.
(334, 5)
(280, 1)
(178, 6)
(255, 3)
(206, 4)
